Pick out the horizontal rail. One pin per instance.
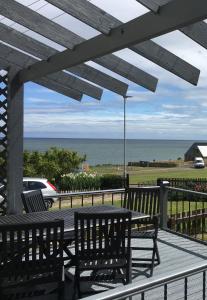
(86, 193)
(185, 191)
(72, 199)
(136, 288)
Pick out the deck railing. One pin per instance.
(89, 198)
(181, 210)
(187, 212)
(176, 287)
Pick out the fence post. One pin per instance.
(126, 181)
(163, 204)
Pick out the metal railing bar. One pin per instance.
(185, 236)
(87, 193)
(186, 289)
(186, 191)
(135, 288)
(204, 285)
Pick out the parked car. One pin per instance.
(47, 188)
(199, 162)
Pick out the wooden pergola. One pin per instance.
(27, 59)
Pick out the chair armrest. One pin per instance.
(150, 223)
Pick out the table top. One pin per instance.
(66, 214)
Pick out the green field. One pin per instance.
(146, 174)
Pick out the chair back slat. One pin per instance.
(102, 235)
(143, 199)
(33, 201)
(22, 249)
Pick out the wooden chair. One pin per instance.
(101, 247)
(33, 201)
(24, 267)
(145, 200)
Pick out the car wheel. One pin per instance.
(49, 203)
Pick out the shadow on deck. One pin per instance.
(177, 254)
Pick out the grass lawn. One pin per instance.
(147, 174)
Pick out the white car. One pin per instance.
(47, 188)
(199, 162)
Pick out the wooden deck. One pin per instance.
(177, 254)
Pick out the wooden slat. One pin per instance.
(168, 61)
(42, 51)
(42, 25)
(172, 17)
(82, 10)
(150, 4)
(23, 60)
(59, 88)
(149, 49)
(197, 32)
(46, 82)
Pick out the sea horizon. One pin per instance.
(101, 151)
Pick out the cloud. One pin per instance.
(176, 110)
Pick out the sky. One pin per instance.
(177, 110)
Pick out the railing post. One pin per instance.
(163, 204)
(126, 183)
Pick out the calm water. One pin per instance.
(106, 151)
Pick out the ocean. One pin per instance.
(110, 151)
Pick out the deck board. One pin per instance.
(177, 254)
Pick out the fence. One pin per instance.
(187, 215)
(182, 182)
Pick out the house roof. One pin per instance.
(203, 150)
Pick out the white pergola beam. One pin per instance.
(51, 30)
(172, 16)
(23, 60)
(197, 32)
(70, 81)
(15, 102)
(150, 4)
(10, 57)
(42, 51)
(84, 11)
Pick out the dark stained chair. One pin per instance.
(24, 267)
(33, 201)
(145, 200)
(101, 248)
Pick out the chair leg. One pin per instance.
(153, 259)
(61, 290)
(157, 252)
(129, 269)
(77, 284)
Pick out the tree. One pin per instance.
(51, 164)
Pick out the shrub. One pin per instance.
(79, 182)
(155, 164)
(110, 181)
(162, 164)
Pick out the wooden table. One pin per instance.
(66, 214)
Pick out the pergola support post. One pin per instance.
(15, 144)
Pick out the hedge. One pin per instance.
(89, 182)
